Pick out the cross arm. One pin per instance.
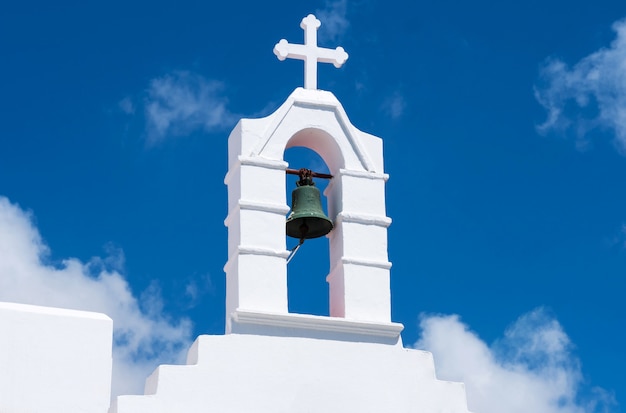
(336, 56)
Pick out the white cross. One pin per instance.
(309, 52)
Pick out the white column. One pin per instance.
(256, 271)
(359, 277)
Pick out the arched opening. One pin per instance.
(306, 272)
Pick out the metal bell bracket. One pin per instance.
(304, 173)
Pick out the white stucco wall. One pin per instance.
(54, 360)
(297, 373)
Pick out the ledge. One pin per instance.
(364, 174)
(385, 265)
(52, 311)
(366, 219)
(318, 323)
(251, 250)
(254, 161)
(281, 209)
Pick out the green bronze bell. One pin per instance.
(307, 219)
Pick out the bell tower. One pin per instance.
(256, 271)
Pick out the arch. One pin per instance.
(320, 142)
(309, 113)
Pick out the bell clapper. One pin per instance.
(304, 228)
(294, 250)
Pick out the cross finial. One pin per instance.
(310, 52)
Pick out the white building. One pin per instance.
(268, 360)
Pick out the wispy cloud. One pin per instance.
(182, 102)
(618, 238)
(530, 369)
(143, 336)
(196, 288)
(126, 105)
(334, 21)
(394, 105)
(589, 95)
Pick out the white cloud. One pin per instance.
(182, 102)
(196, 288)
(126, 105)
(141, 332)
(394, 105)
(619, 238)
(595, 88)
(334, 21)
(530, 369)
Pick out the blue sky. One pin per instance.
(504, 129)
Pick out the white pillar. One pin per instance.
(359, 276)
(256, 273)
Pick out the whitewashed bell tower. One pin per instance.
(256, 270)
(273, 361)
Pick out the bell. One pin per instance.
(307, 219)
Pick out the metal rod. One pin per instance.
(294, 250)
(313, 174)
